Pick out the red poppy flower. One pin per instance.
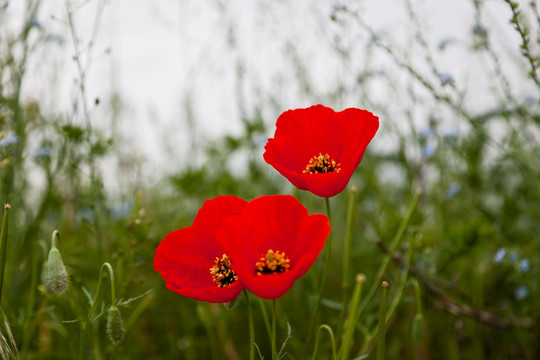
(191, 260)
(318, 149)
(273, 242)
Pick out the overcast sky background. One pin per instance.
(158, 54)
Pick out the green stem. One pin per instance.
(393, 246)
(332, 341)
(393, 305)
(345, 279)
(3, 245)
(113, 298)
(274, 347)
(251, 328)
(28, 327)
(55, 239)
(323, 277)
(265, 317)
(382, 321)
(352, 319)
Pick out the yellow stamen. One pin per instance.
(321, 164)
(273, 262)
(221, 272)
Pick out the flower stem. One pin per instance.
(251, 328)
(345, 276)
(274, 347)
(332, 341)
(265, 317)
(28, 323)
(382, 322)
(352, 318)
(3, 245)
(111, 277)
(323, 276)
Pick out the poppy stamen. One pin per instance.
(221, 272)
(321, 164)
(273, 262)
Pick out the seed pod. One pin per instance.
(115, 326)
(56, 279)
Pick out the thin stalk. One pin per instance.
(393, 246)
(382, 321)
(274, 347)
(28, 328)
(251, 328)
(352, 318)
(265, 317)
(345, 276)
(3, 245)
(325, 269)
(113, 298)
(332, 341)
(368, 338)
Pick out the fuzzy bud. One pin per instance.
(115, 326)
(56, 278)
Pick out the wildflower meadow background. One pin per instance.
(444, 208)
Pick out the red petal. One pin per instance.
(185, 256)
(279, 223)
(310, 241)
(304, 133)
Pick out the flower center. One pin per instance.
(221, 272)
(321, 164)
(273, 262)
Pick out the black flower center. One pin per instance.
(321, 164)
(221, 272)
(272, 262)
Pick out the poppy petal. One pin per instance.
(274, 222)
(302, 134)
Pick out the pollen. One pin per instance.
(321, 164)
(273, 262)
(222, 274)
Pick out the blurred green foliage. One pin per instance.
(473, 239)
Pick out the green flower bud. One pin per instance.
(56, 277)
(115, 326)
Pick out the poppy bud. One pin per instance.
(56, 278)
(115, 326)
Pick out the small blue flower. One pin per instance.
(524, 265)
(530, 100)
(445, 42)
(448, 134)
(51, 37)
(479, 30)
(427, 133)
(8, 140)
(84, 215)
(452, 190)
(499, 255)
(521, 292)
(446, 79)
(35, 23)
(513, 257)
(123, 210)
(42, 152)
(429, 150)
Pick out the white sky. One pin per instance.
(155, 53)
